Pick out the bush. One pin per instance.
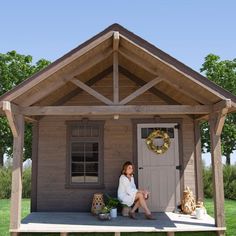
(207, 182)
(5, 182)
(229, 174)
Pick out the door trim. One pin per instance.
(179, 121)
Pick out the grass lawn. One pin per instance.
(230, 212)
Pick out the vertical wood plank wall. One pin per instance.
(52, 194)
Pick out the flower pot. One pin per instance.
(113, 212)
(104, 216)
(199, 213)
(125, 211)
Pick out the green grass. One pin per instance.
(230, 213)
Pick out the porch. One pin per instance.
(71, 222)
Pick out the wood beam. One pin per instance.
(111, 110)
(198, 161)
(174, 68)
(116, 40)
(217, 175)
(220, 121)
(141, 82)
(155, 71)
(116, 37)
(63, 79)
(16, 190)
(222, 109)
(11, 110)
(78, 90)
(115, 78)
(92, 91)
(54, 67)
(226, 103)
(141, 90)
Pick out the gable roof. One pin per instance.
(127, 35)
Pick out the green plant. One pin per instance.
(105, 209)
(112, 202)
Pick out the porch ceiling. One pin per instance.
(180, 84)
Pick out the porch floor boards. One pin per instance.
(86, 222)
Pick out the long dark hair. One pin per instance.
(125, 166)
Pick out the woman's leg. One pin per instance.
(136, 206)
(141, 202)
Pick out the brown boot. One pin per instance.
(132, 215)
(150, 217)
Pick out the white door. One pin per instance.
(158, 173)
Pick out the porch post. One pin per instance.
(198, 160)
(16, 190)
(217, 172)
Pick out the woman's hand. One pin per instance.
(146, 194)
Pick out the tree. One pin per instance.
(222, 73)
(14, 68)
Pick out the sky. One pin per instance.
(186, 29)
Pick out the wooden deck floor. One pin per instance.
(85, 222)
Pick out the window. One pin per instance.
(85, 153)
(146, 131)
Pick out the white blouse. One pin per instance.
(127, 190)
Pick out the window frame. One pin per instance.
(85, 122)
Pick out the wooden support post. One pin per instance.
(15, 234)
(117, 234)
(34, 172)
(115, 68)
(16, 190)
(217, 174)
(63, 234)
(170, 233)
(198, 161)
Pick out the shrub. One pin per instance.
(5, 182)
(26, 188)
(229, 174)
(207, 182)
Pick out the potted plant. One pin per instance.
(105, 213)
(112, 204)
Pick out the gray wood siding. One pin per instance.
(52, 194)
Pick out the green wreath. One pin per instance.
(158, 134)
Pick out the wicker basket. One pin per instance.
(97, 204)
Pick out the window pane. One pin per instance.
(95, 131)
(78, 157)
(91, 157)
(91, 177)
(144, 132)
(91, 167)
(77, 167)
(88, 131)
(77, 177)
(77, 147)
(91, 147)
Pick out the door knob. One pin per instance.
(140, 168)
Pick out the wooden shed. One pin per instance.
(94, 108)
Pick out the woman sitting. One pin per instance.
(128, 193)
